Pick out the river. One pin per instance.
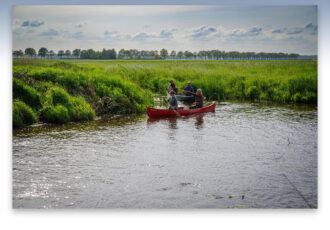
(244, 155)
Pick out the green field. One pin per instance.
(77, 90)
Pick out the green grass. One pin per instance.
(22, 114)
(71, 90)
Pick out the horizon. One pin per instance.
(269, 29)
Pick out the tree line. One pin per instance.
(134, 54)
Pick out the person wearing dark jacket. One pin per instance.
(172, 87)
(188, 89)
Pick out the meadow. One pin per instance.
(55, 91)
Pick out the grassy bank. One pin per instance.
(76, 90)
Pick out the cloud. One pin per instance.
(146, 26)
(278, 31)
(50, 32)
(166, 34)
(25, 23)
(251, 32)
(295, 31)
(142, 36)
(151, 36)
(78, 35)
(15, 21)
(80, 25)
(202, 32)
(309, 28)
(35, 23)
(108, 33)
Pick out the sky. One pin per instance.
(288, 29)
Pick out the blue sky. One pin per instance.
(289, 29)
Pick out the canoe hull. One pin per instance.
(152, 112)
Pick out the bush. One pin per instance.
(83, 111)
(58, 96)
(55, 114)
(26, 93)
(61, 107)
(22, 114)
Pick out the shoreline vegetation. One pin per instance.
(58, 91)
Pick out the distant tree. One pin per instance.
(67, 53)
(113, 54)
(51, 53)
(188, 54)
(294, 56)
(60, 53)
(121, 54)
(108, 54)
(42, 51)
(202, 54)
(30, 51)
(163, 53)
(195, 55)
(173, 54)
(180, 54)
(83, 54)
(76, 52)
(18, 53)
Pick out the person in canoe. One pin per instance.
(172, 87)
(172, 101)
(199, 99)
(188, 89)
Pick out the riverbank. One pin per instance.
(78, 90)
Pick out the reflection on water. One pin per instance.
(242, 156)
(199, 121)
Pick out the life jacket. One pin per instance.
(174, 88)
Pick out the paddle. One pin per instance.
(178, 114)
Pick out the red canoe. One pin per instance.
(152, 112)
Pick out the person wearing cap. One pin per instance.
(187, 89)
(172, 101)
(172, 87)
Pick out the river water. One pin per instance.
(241, 156)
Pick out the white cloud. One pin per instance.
(49, 33)
(202, 32)
(81, 24)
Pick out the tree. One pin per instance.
(67, 53)
(76, 52)
(188, 54)
(18, 53)
(173, 54)
(42, 51)
(121, 54)
(60, 53)
(30, 51)
(163, 53)
(180, 54)
(51, 53)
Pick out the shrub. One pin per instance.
(22, 114)
(83, 111)
(61, 107)
(58, 96)
(55, 114)
(26, 93)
